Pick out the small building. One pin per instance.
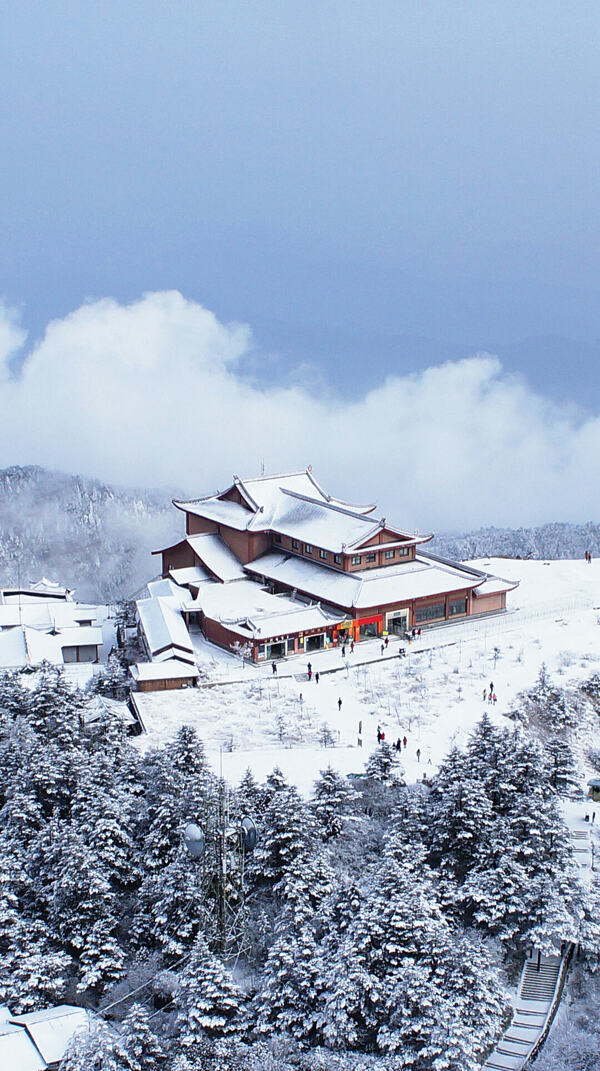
(594, 789)
(163, 676)
(42, 622)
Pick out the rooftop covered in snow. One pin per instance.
(295, 505)
(416, 579)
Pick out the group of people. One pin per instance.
(588, 557)
(490, 694)
(309, 673)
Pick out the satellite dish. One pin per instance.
(194, 840)
(249, 834)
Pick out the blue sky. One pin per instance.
(375, 188)
(391, 183)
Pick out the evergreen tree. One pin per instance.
(113, 679)
(382, 765)
(332, 801)
(563, 773)
(143, 1050)
(209, 1001)
(290, 1000)
(97, 1048)
(83, 910)
(286, 834)
(33, 970)
(249, 795)
(172, 908)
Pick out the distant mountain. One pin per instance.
(89, 536)
(554, 540)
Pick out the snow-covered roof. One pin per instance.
(17, 1051)
(45, 614)
(168, 589)
(216, 556)
(496, 586)
(52, 1029)
(83, 636)
(191, 574)
(164, 629)
(246, 608)
(388, 585)
(263, 496)
(13, 651)
(43, 588)
(158, 671)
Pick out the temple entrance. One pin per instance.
(397, 622)
(276, 650)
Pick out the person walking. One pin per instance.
(340, 703)
(405, 742)
(383, 738)
(274, 667)
(418, 754)
(351, 646)
(378, 735)
(343, 650)
(484, 694)
(387, 640)
(317, 677)
(490, 697)
(494, 699)
(360, 727)
(309, 667)
(309, 673)
(491, 686)
(382, 647)
(398, 744)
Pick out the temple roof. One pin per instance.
(296, 506)
(422, 578)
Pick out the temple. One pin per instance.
(275, 566)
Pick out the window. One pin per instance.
(390, 554)
(355, 560)
(323, 554)
(308, 548)
(457, 606)
(429, 613)
(337, 559)
(295, 544)
(370, 557)
(403, 551)
(277, 538)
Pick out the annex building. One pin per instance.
(276, 566)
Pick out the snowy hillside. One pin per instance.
(81, 532)
(548, 541)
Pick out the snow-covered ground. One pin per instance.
(433, 696)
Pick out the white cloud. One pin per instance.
(152, 393)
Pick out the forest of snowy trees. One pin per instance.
(380, 925)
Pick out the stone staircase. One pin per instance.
(540, 982)
(537, 988)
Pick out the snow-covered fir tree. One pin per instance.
(332, 801)
(210, 1004)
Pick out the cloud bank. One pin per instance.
(153, 393)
